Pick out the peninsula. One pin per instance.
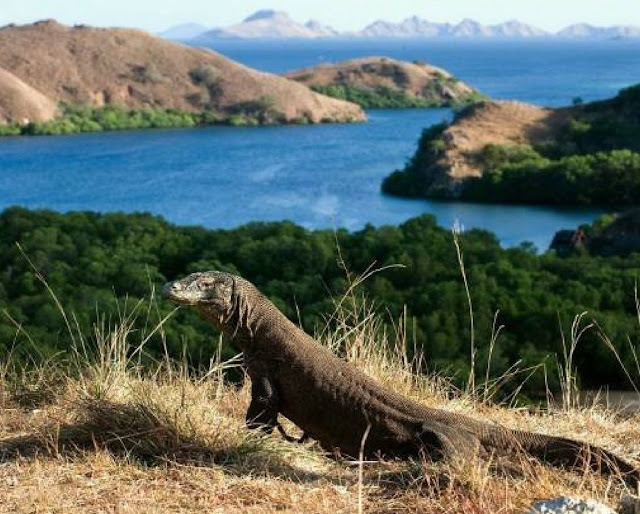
(510, 152)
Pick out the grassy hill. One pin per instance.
(91, 432)
(110, 400)
(87, 67)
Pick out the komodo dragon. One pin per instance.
(335, 403)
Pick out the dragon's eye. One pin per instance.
(205, 283)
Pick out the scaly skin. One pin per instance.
(334, 403)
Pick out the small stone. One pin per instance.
(629, 504)
(566, 505)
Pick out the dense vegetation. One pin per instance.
(383, 97)
(410, 181)
(594, 160)
(92, 260)
(602, 178)
(75, 119)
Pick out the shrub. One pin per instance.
(205, 75)
(147, 74)
(10, 129)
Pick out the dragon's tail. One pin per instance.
(561, 451)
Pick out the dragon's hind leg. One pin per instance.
(438, 441)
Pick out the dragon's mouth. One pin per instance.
(174, 292)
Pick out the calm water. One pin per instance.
(319, 176)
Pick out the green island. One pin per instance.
(594, 159)
(98, 264)
(386, 83)
(383, 97)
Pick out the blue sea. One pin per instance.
(325, 176)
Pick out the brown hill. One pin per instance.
(130, 68)
(500, 123)
(21, 102)
(417, 80)
(449, 154)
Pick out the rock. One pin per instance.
(621, 237)
(567, 505)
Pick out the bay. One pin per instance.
(325, 176)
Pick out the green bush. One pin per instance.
(520, 175)
(10, 129)
(75, 119)
(205, 75)
(260, 111)
(383, 97)
(411, 180)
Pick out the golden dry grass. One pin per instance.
(99, 434)
(500, 123)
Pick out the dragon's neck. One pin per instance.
(255, 321)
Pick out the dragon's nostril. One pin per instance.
(170, 287)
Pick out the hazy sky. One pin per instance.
(343, 14)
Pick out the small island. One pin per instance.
(510, 152)
(384, 83)
(57, 79)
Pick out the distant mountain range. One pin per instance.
(270, 24)
(184, 31)
(417, 27)
(580, 30)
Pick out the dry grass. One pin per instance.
(22, 102)
(99, 434)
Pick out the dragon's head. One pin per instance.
(210, 292)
